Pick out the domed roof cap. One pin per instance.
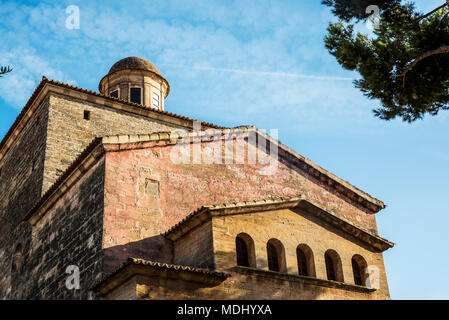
(134, 63)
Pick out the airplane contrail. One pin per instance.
(266, 73)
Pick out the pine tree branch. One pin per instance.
(440, 50)
(433, 11)
(5, 70)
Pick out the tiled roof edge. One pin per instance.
(46, 80)
(159, 265)
(177, 267)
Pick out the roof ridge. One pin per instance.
(167, 135)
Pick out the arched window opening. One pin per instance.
(242, 252)
(359, 266)
(302, 262)
(245, 251)
(334, 268)
(273, 258)
(306, 263)
(330, 268)
(276, 256)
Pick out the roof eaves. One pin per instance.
(106, 283)
(204, 213)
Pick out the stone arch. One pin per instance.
(276, 256)
(359, 269)
(306, 261)
(245, 250)
(334, 267)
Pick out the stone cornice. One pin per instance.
(298, 278)
(148, 73)
(133, 267)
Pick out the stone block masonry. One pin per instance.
(70, 196)
(69, 133)
(21, 176)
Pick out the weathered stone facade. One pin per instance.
(21, 176)
(68, 133)
(242, 284)
(72, 198)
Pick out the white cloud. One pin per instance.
(28, 69)
(257, 62)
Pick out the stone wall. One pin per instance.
(292, 228)
(186, 187)
(21, 175)
(69, 133)
(132, 220)
(240, 286)
(70, 233)
(196, 248)
(141, 192)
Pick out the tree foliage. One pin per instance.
(404, 63)
(347, 10)
(4, 70)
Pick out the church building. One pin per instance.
(108, 195)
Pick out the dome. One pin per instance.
(134, 63)
(136, 80)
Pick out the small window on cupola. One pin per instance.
(114, 94)
(156, 101)
(135, 95)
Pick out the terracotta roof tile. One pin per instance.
(220, 276)
(175, 267)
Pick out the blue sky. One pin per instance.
(257, 63)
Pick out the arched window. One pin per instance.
(333, 266)
(306, 263)
(245, 251)
(242, 252)
(276, 256)
(359, 266)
